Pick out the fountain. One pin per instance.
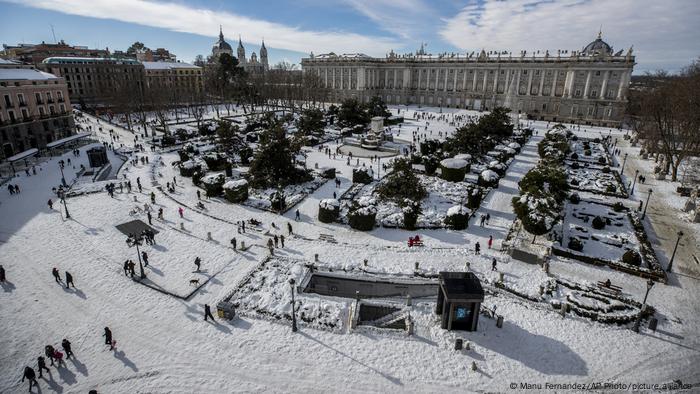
(373, 138)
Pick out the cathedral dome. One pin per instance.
(221, 46)
(598, 47)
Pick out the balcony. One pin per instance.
(22, 104)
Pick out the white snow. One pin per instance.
(454, 163)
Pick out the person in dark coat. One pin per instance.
(197, 262)
(144, 256)
(233, 243)
(493, 265)
(30, 375)
(48, 351)
(108, 338)
(65, 344)
(282, 240)
(41, 364)
(149, 217)
(207, 312)
(289, 228)
(56, 275)
(477, 248)
(131, 268)
(2, 274)
(50, 203)
(126, 267)
(276, 238)
(69, 280)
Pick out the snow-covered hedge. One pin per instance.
(362, 175)
(454, 170)
(457, 217)
(363, 216)
(236, 190)
(188, 168)
(488, 178)
(328, 210)
(213, 184)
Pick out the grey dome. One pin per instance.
(598, 47)
(222, 45)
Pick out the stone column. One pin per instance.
(437, 80)
(495, 81)
(464, 80)
(553, 93)
(604, 87)
(568, 87)
(454, 81)
(447, 77)
(474, 81)
(486, 79)
(507, 81)
(539, 91)
(588, 83)
(360, 78)
(406, 78)
(517, 83)
(395, 78)
(529, 82)
(623, 82)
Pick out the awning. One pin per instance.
(23, 155)
(66, 140)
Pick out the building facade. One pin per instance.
(96, 80)
(588, 86)
(182, 79)
(34, 109)
(36, 53)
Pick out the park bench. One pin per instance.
(609, 288)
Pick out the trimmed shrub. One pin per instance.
(328, 172)
(431, 164)
(215, 162)
(362, 222)
(574, 182)
(188, 168)
(214, 184)
(575, 244)
(184, 156)
(574, 156)
(454, 170)
(598, 223)
(328, 210)
(574, 138)
(236, 191)
(611, 189)
(574, 198)
(631, 257)
(618, 207)
(457, 217)
(362, 175)
(474, 198)
(601, 160)
(575, 166)
(606, 169)
(596, 140)
(488, 178)
(197, 177)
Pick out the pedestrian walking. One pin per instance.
(144, 256)
(148, 214)
(276, 238)
(180, 211)
(483, 219)
(160, 213)
(490, 241)
(48, 352)
(233, 243)
(243, 226)
(199, 195)
(488, 217)
(69, 280)
(66, 345)
(269, 246)
(207, 312)
(289, 228)
(2, 274)
(198, 262)
(296, 215)
(16, 189)
(50, 204)
(132, 267)
(108, 338)
(282, 240)
(493, 265)
(126, 267)
(153, 198)
(56, 275)
(477, 248)
(41, 364)
(30, 375)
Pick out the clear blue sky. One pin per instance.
(663, 36)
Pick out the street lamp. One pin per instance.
(635, 328)
(634, 182)
(137, 240)
(673, 255)
(61, 164)
(62, 195)
(294, 316)
(624, 160)
(647, 204)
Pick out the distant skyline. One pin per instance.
(663, 33)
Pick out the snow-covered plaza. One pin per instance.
(560, 327)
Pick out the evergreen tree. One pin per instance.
(377, 107)
(273, 163)
(402, 185)
(310, 123)
(352, 113)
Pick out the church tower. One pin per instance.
(241, 51)
(263, 56)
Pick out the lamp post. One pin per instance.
(634, 182)
(647, 204)
(62, 195)
(137, 240)
(61, 164)
(635, 328)
(673, 255)
(624, 160)
(294, 316)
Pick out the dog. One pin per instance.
(194, 282)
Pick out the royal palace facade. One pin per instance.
(588, 86)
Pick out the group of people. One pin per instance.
(56, 358)
(13, 189)
(57, 277)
